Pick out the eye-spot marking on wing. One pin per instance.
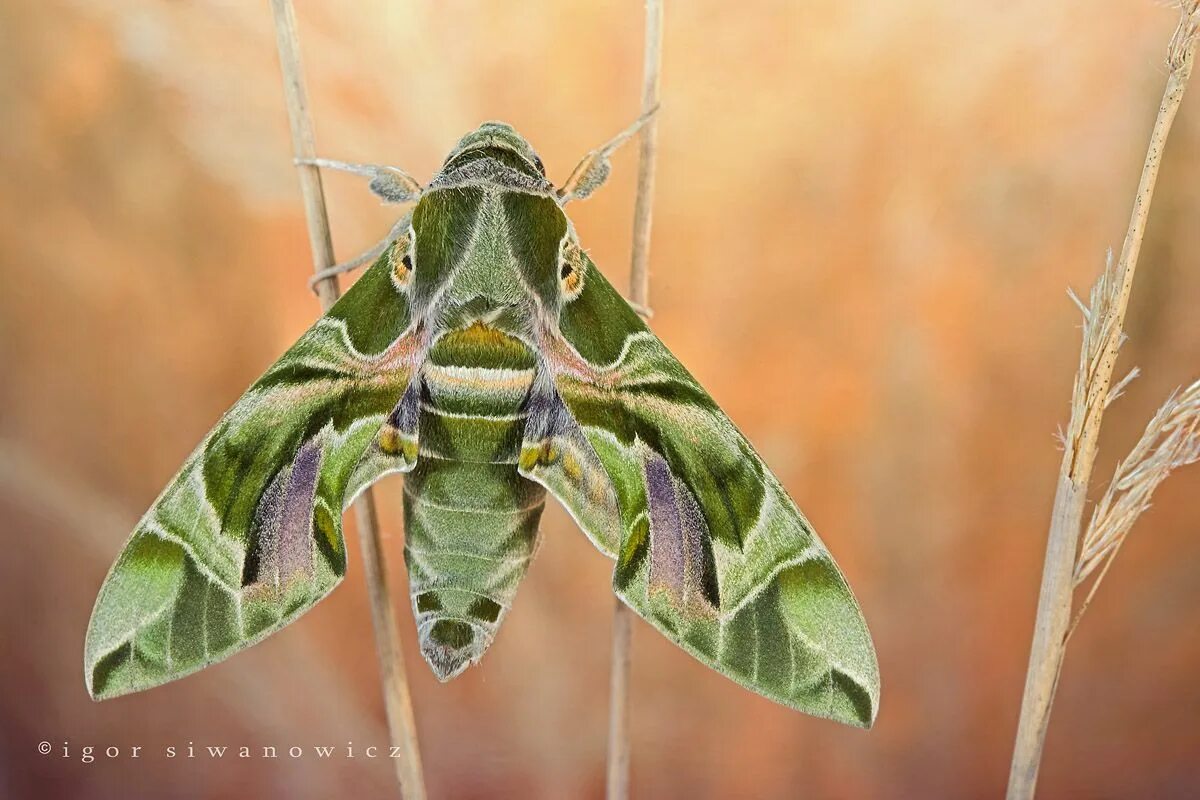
(400, 261)
(570, 269)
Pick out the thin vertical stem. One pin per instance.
(618, 704)
(639, 294)
(401, 723)
(639, 276)
(1090, 399)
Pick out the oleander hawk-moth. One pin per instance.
(486, 357)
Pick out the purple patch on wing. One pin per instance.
(666, 527)
(680, 561)
(295, 543)
(406, 416)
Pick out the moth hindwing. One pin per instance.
(486, 357)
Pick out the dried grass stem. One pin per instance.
(398, 702)
(617, 778)
(1092, 393)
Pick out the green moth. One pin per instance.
(486, 357)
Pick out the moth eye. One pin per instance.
(570, 271)
(400, 262)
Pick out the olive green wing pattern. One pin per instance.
(712, 551)
(248, 535)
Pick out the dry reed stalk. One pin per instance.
(617, 781)
(1171, 440)
(401, 723)
(1093, 391)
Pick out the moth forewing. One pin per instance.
(248, 535)
(712, 550)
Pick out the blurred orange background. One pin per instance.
(866, 219)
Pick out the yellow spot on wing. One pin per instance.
(528, 458)
(390, 440)
(572, 467)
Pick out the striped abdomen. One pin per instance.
(470, 520)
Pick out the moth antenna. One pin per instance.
(391, 184)
(593, 169)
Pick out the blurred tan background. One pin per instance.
(867, 216)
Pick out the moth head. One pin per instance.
(500, 141)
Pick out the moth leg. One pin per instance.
(392, 184)
(592, 170)
(366, 258)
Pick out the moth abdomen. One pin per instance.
(470, 519)
(470, 533)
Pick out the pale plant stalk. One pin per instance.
(1091, 394)
(1171, 440)
(617, 782)
(397, 699)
